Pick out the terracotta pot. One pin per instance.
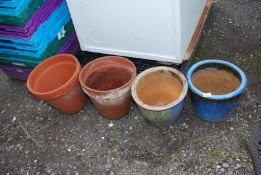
(107, 81)
(55, 81)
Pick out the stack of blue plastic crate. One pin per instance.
(31, 31)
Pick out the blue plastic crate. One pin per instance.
(13, 17)
(10, 3)
(46, 33)
(61, 13)
(35, 51)
(13, 8)
(70, 45)
(52, 47)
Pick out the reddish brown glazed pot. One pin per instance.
(55, 81)
(107, 81)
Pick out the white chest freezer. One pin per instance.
(163, 30)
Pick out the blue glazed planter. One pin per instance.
(215, 108)
(160, 116)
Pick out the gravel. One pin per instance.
(37, 139)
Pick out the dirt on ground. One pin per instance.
(37, 139)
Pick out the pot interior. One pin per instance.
(54, 76)
(108, 77)
(217, 79)
(159, 88)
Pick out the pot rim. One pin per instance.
(63, 89)
(133, 76)
(236, 92)
(183, 94)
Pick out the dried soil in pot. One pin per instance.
(216, 82)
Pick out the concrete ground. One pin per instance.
(36, 139)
